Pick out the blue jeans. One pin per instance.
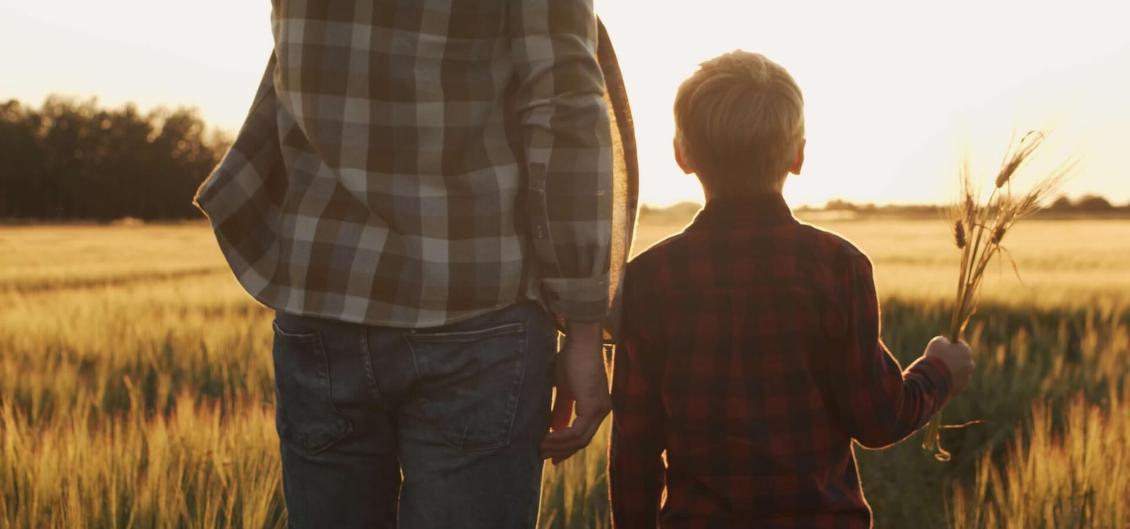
(422, 429)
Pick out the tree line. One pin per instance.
(76, 160)
(1086, 204)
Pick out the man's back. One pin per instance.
(751, 355)
(395, 166)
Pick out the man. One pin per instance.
(422, 191)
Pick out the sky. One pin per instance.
(897, 93)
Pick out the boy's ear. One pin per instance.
(681, 157)
(798, 162)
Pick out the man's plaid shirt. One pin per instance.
(750, 354)
(412, 164)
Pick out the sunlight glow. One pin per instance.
(895, 92)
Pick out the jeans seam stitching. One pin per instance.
(520, 380)
(330, 395)
(469, 336)
(412, 353)
(367, 359)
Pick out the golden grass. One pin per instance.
(33, 258)
(1075, 263)
(192, 467)
(133, 395)
(1074, 475)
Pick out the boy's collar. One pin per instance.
(769, 209)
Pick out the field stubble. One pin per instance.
(136, 390)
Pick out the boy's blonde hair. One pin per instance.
(740, 121)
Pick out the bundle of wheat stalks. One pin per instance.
(979, 229)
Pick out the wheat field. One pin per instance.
(136, 390)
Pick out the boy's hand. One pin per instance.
(581, 379)
(957, 357)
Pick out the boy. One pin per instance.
(750, 351)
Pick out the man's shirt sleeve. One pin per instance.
(636, 467)
(878, 402)
(568, 151)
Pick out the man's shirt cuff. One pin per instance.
(577, 298)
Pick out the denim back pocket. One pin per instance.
(471, 382)
(305, 413)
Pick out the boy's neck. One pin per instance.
(723, 212)
(711, 195)
(730, 202)
(715, 197)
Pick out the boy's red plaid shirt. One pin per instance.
(751, 355)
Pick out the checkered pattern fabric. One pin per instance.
(750, 354)
(413, 164)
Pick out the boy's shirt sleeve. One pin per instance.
(635, 457)
(877, 401)
(567, 142)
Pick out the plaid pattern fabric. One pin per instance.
(750, 354)
(412, 164)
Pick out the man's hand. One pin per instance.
(957, 357)
(583, 381)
